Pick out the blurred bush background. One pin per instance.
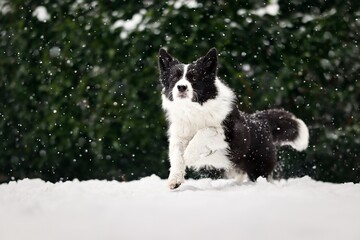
(80, 97)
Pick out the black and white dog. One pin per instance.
(206, 128)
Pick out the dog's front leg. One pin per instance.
(177, 164)
(205, 142)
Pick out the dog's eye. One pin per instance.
(178, 73)
(191, 77)
(174, 79)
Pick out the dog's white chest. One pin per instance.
(189, 119)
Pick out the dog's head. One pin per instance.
(193, 82)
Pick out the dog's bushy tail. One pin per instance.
(286, 129)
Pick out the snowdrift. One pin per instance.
(199, 209)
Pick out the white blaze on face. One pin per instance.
(183, 89)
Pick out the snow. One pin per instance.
(4, 7)
(200, 209)
(309, 17)
(128, 26)
(188, 3)
(41, 14)
(271, 9)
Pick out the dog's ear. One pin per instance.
(209, 61)
(166, 60)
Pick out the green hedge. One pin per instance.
(80, 97)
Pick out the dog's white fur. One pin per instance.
(196, 136)
(302, 141)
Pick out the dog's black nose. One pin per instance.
(182, 88)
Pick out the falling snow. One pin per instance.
(41, 14)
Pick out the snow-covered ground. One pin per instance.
(203, 209)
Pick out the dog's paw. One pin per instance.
(175, 180)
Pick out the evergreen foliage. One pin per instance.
(80, 97)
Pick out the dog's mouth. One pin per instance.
(182, 95)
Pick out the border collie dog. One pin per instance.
(207, 129)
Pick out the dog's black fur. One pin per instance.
(253, 138)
